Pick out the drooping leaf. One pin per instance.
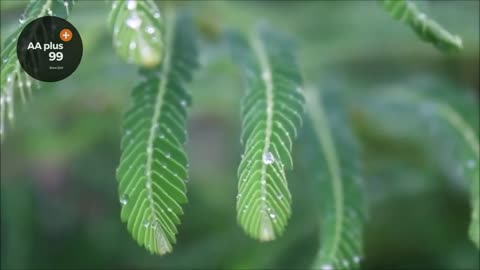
(153, 165)
(450, 139)
(272, 111)
(137, 28)
(426, 28)
(331, 156)
(13, 79)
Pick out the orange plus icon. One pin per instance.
(66, 35)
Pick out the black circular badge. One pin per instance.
(49, 49)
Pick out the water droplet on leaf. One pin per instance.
(268, 158)
(131, 4)
(134, 21)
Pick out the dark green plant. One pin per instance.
(277, 108)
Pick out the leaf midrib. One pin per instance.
(321, 128)
(259, 50)
(158, 107)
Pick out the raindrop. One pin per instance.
(162, 136)
(128, 132)
(327, 267)
(169, 209)
(266, 76)
(239, 196)
(268, 158)
(183, 103)
(21, 19)
(356, 259)
(146, 223)
(156, 15)
(168, 155)
(124, 199)
(471, 164)
(9, 78)
(345, 263)
(154, 224)
(150, 29)
(5, 60)
(132, 45)
(272, 216)
(263, 182)
(280, 196)
(131, 4)
(134, 22)
(149, 150)
(263, 198)
(49, 11)
(148, 184)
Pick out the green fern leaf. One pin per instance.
(137, 28)
(13, 78)
(455, 142)
(426, 28)
(330, 154)
(272, 110)
(153, 165)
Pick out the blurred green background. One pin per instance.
(59, 205)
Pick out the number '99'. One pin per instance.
(55, 56)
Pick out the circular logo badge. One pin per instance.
(49, 49)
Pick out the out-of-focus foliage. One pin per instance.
(426, 28)
(13, 79)
(331, 155)
(59, 160)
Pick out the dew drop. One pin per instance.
(168, 156)
(21, 19)
(272, 216)
(149, 150)
(156, 15)
(5, 60)
(183, 103)
(266, 76)
(132, 45)
(263, 182)
(345, 263)
(150, 29)
(471, 164)
(124, 199)
(356, 259)
(9, 78)
(263, 198)
(239, 196)
(134, 21)
(148, 184)
(268, 158)
(327, 267)
(169, 209)
(131, 4)
(49, 11)
(146, 223)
